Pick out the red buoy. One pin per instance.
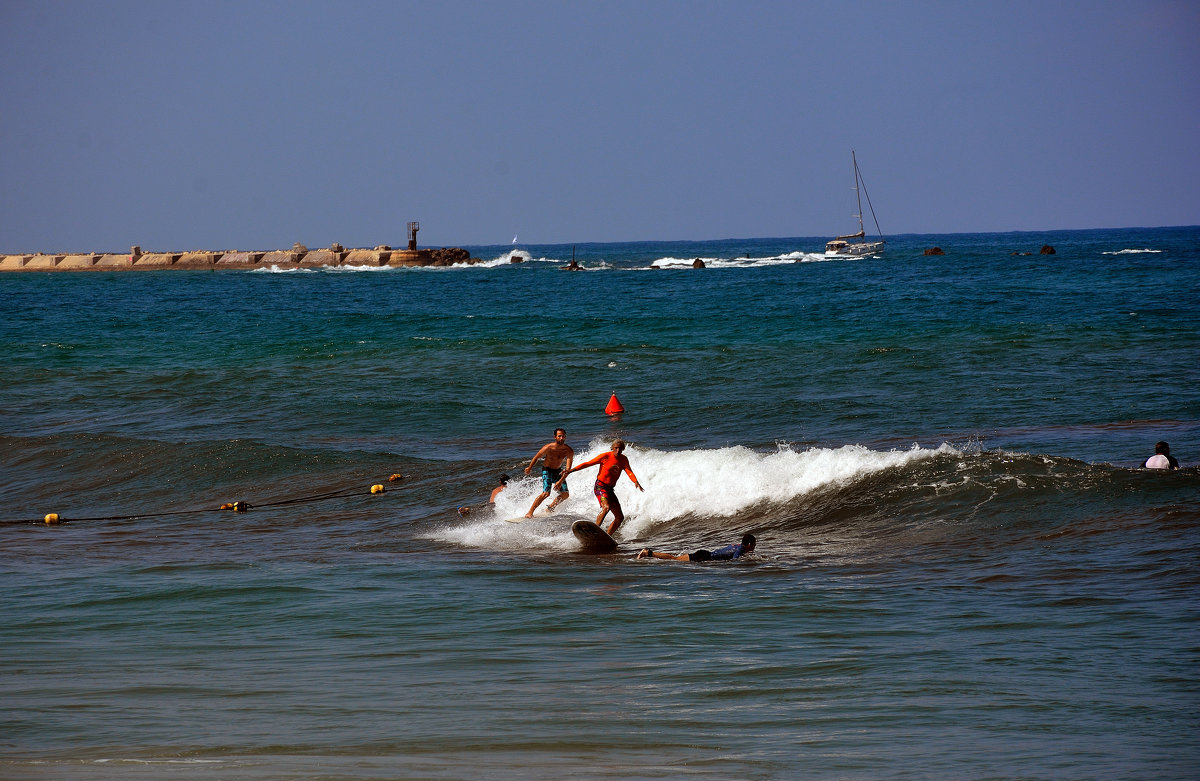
(614, 406)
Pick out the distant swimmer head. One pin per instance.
(1162, 448)
(748, 542)
(504, 479)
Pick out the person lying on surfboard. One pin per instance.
(611, 464)
(728, 553)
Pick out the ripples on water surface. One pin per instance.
(961, 573)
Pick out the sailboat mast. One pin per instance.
(857, 194)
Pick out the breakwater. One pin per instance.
(298, 256)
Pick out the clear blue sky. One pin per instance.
(183, 125)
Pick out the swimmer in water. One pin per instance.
(728, 553)
(1162, 458)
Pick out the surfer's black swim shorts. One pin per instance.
(700, 555)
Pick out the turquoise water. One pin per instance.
(961, 571)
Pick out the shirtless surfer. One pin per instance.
(611, 464)
(555, 456)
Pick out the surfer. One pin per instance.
(1162, 458)
(554, 456)
(728, 553)
(611, 464)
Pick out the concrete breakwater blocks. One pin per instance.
(113, 260)
(280, 258)
(411, 257)
(13, 262)
(366, 257)
(297, 257)
(235, 259)
(43, 261)
(77, 261)
(321, 257)
(156, 260)
(198, 260)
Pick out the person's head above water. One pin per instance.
(748, 542)
(1162, 448)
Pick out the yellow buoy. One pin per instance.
(377, 489)
(52, 518)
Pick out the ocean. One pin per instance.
(961, 571)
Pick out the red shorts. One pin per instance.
(602, 490)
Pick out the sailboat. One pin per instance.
(845, 246)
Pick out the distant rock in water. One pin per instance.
(934, 251)
(1047, 249)
(697, 263)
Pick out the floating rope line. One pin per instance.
(53, 519)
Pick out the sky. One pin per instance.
(179, 125)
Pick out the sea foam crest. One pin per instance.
(721, 482)
(743, 262)
(278, 270)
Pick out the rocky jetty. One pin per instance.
(299, 256)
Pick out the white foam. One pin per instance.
(277, 270)
(1133, 252)
(719, 482)
(350, 268)
(774, 260)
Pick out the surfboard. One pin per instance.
(593, 538)
(517, 520)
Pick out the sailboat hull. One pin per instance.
(844, 250)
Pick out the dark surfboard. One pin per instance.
(593, 538)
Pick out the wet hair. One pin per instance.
(1163, 448)
(504, 479)
(563, 430)
(748, 540)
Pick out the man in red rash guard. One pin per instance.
(611, 464)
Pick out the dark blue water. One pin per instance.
(962, 572)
